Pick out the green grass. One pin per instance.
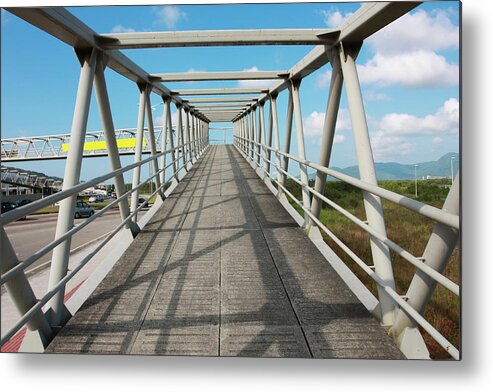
(406, 228)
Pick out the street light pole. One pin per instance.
(416, 181)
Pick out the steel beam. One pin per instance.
(329, 130)
(219, 91)
(300, 143)
(138, 149)
(218, 38)
(207, 76)
(152, 141)
(59, 264)
(439, 248)
(21, 292)
(193, 101)
(366, 165)
(111, 144)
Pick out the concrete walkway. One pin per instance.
(223, 270)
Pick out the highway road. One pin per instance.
(30, 235)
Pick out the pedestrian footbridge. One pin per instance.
(228, 261)
(223, 269)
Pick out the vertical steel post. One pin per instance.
(181, 139)
(328, 130)
(152, 140)
(59, 264)
(268, 142)
(260, 134)
(275, 128)
(437, 254)
(188, 136)
(366, 165)
(193, 152)
(111, 145)
(138, 148)
(164, 140)
(300, 141)
(254, 132)
(20, 291)
(169, 125)
(287, 141)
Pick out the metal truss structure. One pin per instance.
(255, 137)
(14, 176)
(57, 146)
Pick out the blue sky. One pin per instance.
(409, 74)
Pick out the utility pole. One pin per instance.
(415, 181)
(452, 169)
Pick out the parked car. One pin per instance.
(7, 206)
(83, 209)
(22, 202)
(96, 199)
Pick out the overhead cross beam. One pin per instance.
(218, 38)
(193, 101)
(205, 76)
(220, 91)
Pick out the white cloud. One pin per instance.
(255, 83)
(395, 132)
(169, 16)
(420, 68)
(122, 29)
(375, 96)
(313, 124)
(437, 140)
(334, 19)
(418, 31)
(445, 119)
(413, 69)
(405, 52)
(388, 147)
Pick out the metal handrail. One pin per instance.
(409, 310)
(431, 212)
(61, 284)
(27, 209)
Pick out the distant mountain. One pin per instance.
(399, 171)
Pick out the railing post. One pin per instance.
(268, 142)
(275, 128)
(169, 126)
(193, 151)
(22, 295)
(300, 141)
(254, 134)
(179, 132)
(138, 148)
(188, 137)
(328, 130)
(366, 165)
(164, 140)
(152, 141)
(261, 131)
(111, 144)
(261, 135)
(287, 141)
(437, 253)
(194, 138)
(57, 313)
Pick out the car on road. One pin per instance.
(82, 209)
(7, 206)
(96, 199)
(22, 202)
